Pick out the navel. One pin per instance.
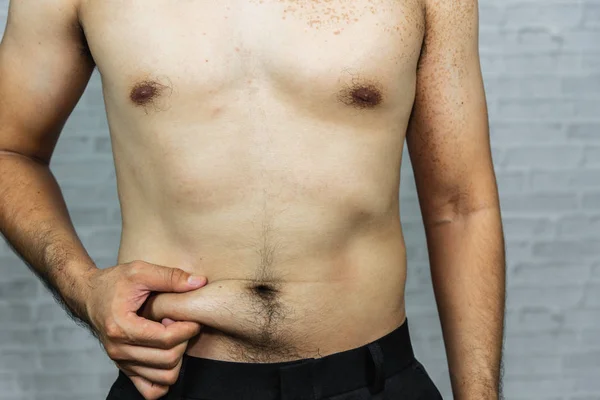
(265, 291)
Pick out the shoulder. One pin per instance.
(444, 15)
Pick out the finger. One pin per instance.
(167, 321)
(149, 390)
(166, 279)
(175, 306)
(149, 357)
(144, 332)
(162, 377)
(208, 305)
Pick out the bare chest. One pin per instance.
(362, 53)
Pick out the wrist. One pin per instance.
(75, 288)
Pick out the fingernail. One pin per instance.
(195, 280)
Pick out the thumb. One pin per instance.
(158, 278)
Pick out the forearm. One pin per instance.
(35, 221)
(467, 259)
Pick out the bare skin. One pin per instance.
(252, 162)
(259, 143)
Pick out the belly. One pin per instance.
(288, 313)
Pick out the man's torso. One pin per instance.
(259, 143)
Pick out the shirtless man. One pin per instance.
(258, 145)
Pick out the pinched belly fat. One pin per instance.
(245, 320)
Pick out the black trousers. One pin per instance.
(385, 369)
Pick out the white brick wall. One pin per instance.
(541, 65)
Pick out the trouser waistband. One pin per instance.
(310, 378)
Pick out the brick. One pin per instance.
(116, 217)
(584, 131)
(22, 337)
(52, 383)
(534, 319)
(527, 132)
(581, 39)
(551, 15)
(579, 225)
(540, 387)
(91, 170)
(88, 395)
(590, 62)
(17, 360)
(70, 361)
(510, 181)
(528, 365)
(73, 337)
(582, 361)
(69, 145)
(543, 156)
(525, 227)
(568, 250)
(88, 216)
(529, 40)
(584, 397)
(517, 249)
(491, 40)
(15, 313)
(497, 155)
(107, 379)
(491, 15)
(538, 203)
(591, 156)
(592, 296)
(102, 145)
(92, 124)
(557, 298)
(583, 318)
(587, 382)
(23, 288)
(591, 14)
(586, 85)
(90, 194)
(591, 337)
(527, 86)
(591, 201)
(5, 248)
(51, 312)
(549, 179)
(549, 274)
(595, 274)
(92, 98)
(547, 109)
(545, 62)
(13, 268)
(8, 382)
(105, 261)
(103, 240)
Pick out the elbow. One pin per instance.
(12, 153)
(456, 207)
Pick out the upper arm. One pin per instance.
(44, 69)
(448, 134)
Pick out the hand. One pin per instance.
(149, 352)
